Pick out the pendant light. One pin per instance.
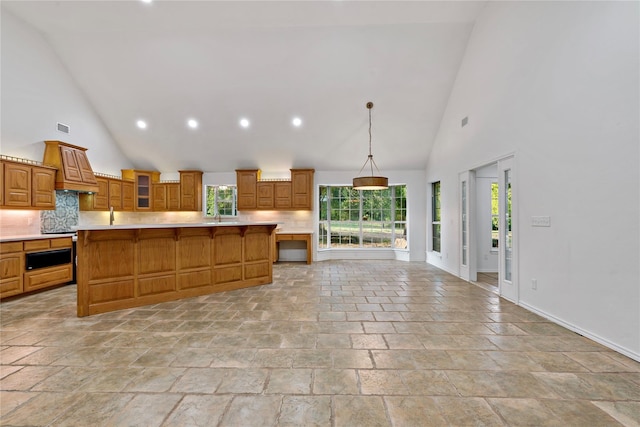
(370, 182)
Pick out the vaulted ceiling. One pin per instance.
(267, 61)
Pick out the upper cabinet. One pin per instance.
(190, 190)
(142, 191)
(27, 185)
(257, 194)
(247, 180)
(74, 171)
(302, 188)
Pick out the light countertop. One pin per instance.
(33, 237)
(172, 225)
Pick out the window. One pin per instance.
(495, 216)
(435, 217)
(351, 218)
(221, 200)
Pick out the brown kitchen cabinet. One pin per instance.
(246, 181)
(302, 189)
(115, 194)
(27, 185)
(43, 181)
(109, 195)
(17, 185)
(16, 278)
(159, 197)
(11, 269)
(173, 196)
(190, 190)
(254, 194)
(265, 191)
(282, 195)
(142, 187)
(128, 196)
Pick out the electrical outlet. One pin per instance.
(534, 284)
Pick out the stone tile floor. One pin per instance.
(344, 343)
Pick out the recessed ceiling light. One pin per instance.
(297, 122)
(141, 124)
(244, 123)
(146, 1)
(192, 123)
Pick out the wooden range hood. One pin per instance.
(74, 171)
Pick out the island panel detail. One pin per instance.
(133, 267)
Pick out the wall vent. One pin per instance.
(63, 128)
(465, 121)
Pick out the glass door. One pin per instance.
(468, 268)
(507, 249)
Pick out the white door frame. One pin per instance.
(508, 259)
(467, 225)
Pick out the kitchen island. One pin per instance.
(126, 266)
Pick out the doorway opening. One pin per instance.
(487, 229)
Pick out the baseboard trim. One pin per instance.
(594, 337)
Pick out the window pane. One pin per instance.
(221, 199)
(376, 234)
(345, 234)
(435, 216)
(400, 235)
(358, 219)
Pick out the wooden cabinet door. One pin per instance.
(101, 198)
(115, 194)
(11, 268)
(190, 190)
(282, 195)
(143, 192)
(43, 183)
(173, 196)
(70, 167)
(128, 197)
(159, 197)
(17, 185)
(265, 195)
(302, 188)
(247, 180)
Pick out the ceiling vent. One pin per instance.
(63, 128)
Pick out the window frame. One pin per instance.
(327, 198)
(217, 200)
(436, 217)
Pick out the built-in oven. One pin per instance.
(74, 256)
(48, 258)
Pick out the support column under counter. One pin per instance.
(123, 267)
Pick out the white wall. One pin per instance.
(556, 83)
(37, 93)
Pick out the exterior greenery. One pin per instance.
(351, 218)
(435, 217)
(221, 200)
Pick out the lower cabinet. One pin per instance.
(53, 265)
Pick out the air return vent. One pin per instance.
(63, 128)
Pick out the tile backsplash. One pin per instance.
(66, 215)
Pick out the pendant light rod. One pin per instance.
(370, 182)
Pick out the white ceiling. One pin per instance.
(268, 61)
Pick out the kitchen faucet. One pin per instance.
(111, 216)
(218, 217)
